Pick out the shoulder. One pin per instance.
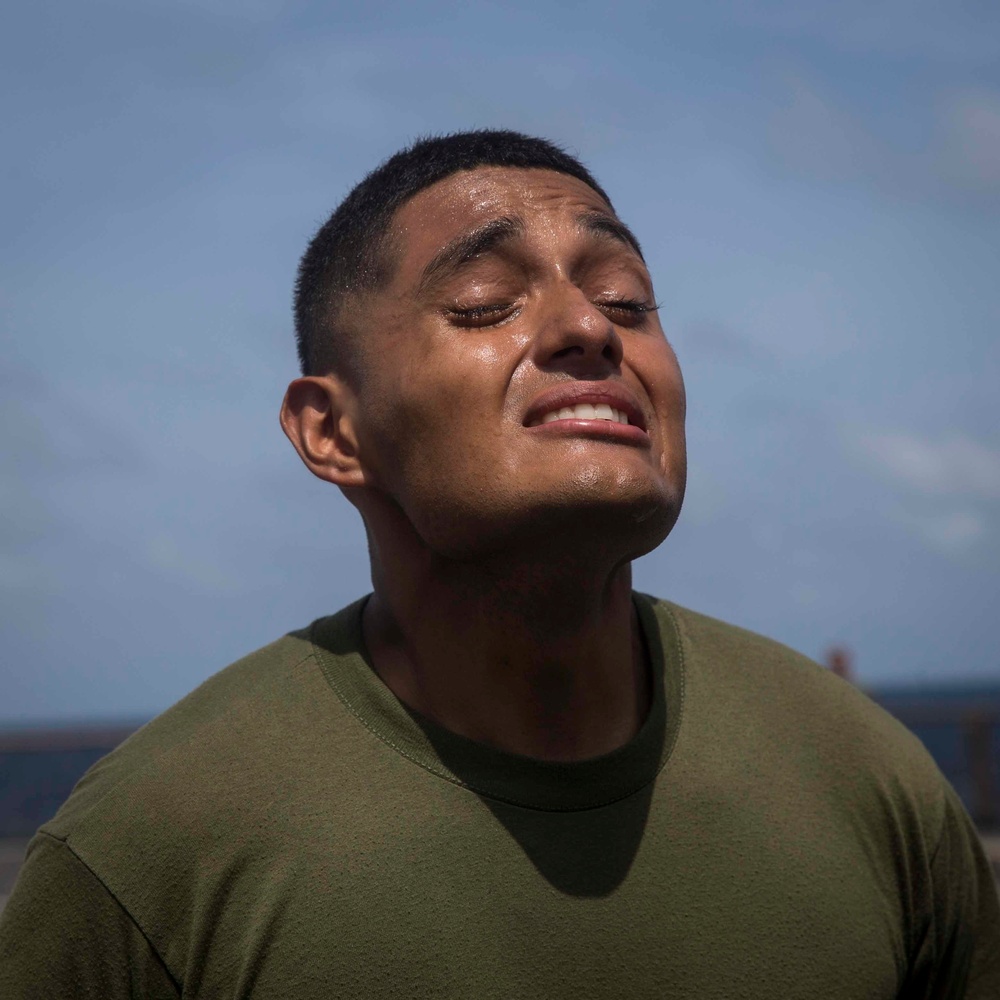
(62, 934)
(208, 746)
(734, 649)
(735, 662)
(197, 804)
(782, 702)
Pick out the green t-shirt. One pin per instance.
(291, 830)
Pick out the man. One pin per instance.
(503, 774)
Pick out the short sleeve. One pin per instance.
(958, 957)
(62, 934)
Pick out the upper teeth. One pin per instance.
(587, 411)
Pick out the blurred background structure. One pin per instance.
(817, 188)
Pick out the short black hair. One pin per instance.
(348, 253)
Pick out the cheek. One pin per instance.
(665, 387)
(441, 415)
(665, 384)
(461, 387)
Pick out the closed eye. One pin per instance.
(486, 315)
(620, 310)
(629, 309)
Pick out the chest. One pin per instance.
(712, 898)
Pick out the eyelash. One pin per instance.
(634, 307)
(481, 312)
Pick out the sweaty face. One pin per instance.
(519, 387)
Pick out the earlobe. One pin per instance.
(317, 416)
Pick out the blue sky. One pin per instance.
(817, 187)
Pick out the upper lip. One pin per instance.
(615, 394)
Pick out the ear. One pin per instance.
(318, 416)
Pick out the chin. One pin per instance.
(625, 530)
(574, 523)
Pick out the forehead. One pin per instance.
(470, 198)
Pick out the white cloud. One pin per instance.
(954, 466)
(949, 485)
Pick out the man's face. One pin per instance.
(517, 304)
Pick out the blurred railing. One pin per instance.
(964, 739)
(959, 724)
(39, 767)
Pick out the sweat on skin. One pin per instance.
(513, 293)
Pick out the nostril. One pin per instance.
(566, 351)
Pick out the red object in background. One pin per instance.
(840, 660)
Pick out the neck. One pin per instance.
(540, 661)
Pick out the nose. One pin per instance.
(574, 335)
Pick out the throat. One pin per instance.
(556, 686)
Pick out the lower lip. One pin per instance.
(608, 430)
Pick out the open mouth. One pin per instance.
(602, 408)
(584, 411)
(605, 412)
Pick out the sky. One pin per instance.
(816, 187)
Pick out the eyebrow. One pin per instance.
(600, 224)
(462, 249)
